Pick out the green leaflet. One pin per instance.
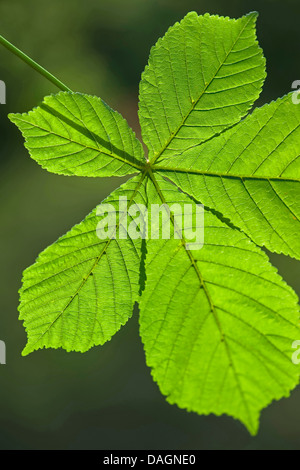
(202, 77)
(212, 335)
(82, 289)
(77, 134)
(217, 323)
(251, 174)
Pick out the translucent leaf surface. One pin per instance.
(251, 174)
(217, 323)
(202, 77)
(77, 134)
(81, 289)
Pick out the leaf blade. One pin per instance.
(251, 174)
(212, 337)
(82, 289)
(78, 134)
(186, 77)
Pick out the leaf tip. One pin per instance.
(252, 16)
(12, 117)
(26, 351)
(252, 427)
(30, 347)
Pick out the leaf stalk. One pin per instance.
(33, 64)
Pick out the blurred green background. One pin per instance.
(105, 399)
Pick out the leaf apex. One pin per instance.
(253, 13)
(12, 116)
(27, 350)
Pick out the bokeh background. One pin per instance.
(105, 398)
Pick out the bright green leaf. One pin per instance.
(82, 289)
(202, 77)
(77, 134)
(251, 174)
(217, 323)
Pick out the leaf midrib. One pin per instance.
(210, 301)
(97, 149)
(222, 175)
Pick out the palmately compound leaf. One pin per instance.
(217, 323)
(251, 174)
(77, 134)
(202, 77)
(82, 289)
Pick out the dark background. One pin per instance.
(105, 398)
